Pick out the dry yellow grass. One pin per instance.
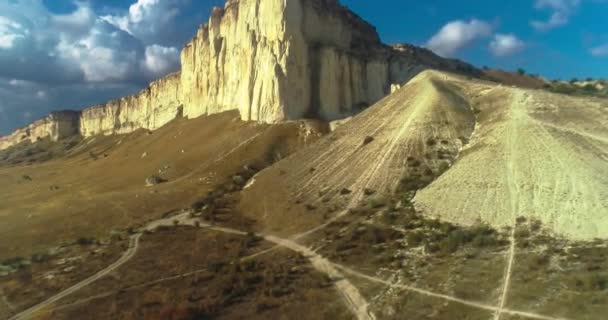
(96, 196)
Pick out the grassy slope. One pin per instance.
(101, 182)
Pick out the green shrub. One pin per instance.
(453, 241)
(377, 202)
(84, 241)
(415, 238)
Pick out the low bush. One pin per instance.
(84, 241)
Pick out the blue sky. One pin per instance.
(561, 49)
(58, 54)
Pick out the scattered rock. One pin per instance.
(26, 177)
(154, 180)
(143, 155)
(69, 269)
(368, 140)
(368, 192)
(53, 188)
(310, 207)
(345, 191)
(238, 180)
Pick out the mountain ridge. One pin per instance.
(271, 60)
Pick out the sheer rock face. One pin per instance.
(273, 60)
(150, 109)
(276, 60)
(57, 125)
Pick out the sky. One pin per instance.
(69, 54)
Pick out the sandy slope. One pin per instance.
(531, 154)
(426, 118)
(536, 155)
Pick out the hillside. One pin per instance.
(100, 184)
(298, 168)
(365, 196)
(510, 152)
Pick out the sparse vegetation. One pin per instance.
(86, 241)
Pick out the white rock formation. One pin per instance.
(273, 60)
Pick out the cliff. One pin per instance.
(57, 125)
(273, 60)
(150, 109)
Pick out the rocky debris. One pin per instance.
(54, 188)
(333, 125)
(143, 155)
(239, 180)
(26, 177)
(395, 87)
(164, 169)
(154, 180)
(345, 191)
(368, 140)
(368, 192)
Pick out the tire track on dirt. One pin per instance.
(350, 294)
(133, 246)
(473, 304)
(507, 277)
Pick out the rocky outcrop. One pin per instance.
(150, 109)
(273, 60)
(56, 126)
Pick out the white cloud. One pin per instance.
(161, 60)
(600, 51)
(104, 54)
(505, 45)
(77, 23)
(152, 21)
(10, 31)
(458, 34)
(77, 59)
(561, 11)
(41, 94)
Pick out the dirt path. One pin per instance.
(354, 300)
(507, 278)
(133, 246)
(473, 304)
(514, 193)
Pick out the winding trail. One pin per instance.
(350, 294)
(354, 300)
(133, 246)
(473, 304)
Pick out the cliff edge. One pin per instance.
(272, 60)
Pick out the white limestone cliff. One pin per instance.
(273, 60)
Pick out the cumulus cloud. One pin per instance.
(503, 45)
(600, 51)
(561, 11)
(10, 31)
(458, 34)
(161, 60)
(56, 61)
(152, 21)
